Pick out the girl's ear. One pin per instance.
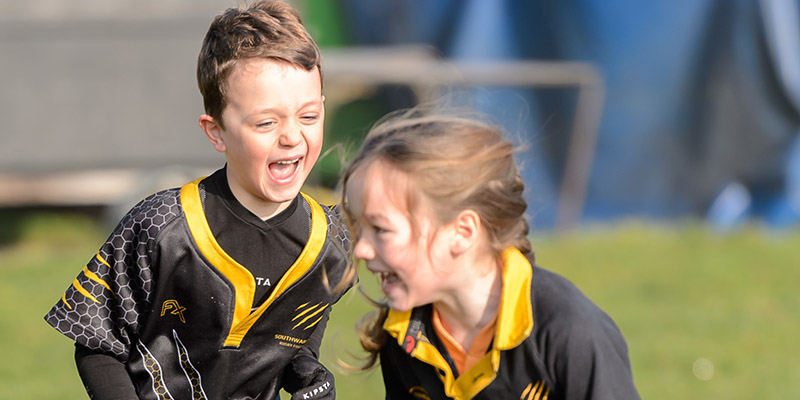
(467, 227)
(214, 132)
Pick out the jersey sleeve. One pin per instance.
(595, 364)
(103, 375)
(339, 237)
(306, 378)
(103, 306)
(305, 369)
(584, 349)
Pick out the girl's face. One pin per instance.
(411, 260)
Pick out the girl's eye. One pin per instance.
(378, 230)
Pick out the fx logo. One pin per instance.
(176, 308)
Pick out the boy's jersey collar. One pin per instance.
(241, 278)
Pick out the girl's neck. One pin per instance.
(474, 304)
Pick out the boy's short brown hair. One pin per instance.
(265, 30)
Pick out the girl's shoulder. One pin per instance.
(559, 305)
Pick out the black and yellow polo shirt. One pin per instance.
(550, 342)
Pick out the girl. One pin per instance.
(436, 205)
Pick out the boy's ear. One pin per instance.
(214, 132)
(467, 227)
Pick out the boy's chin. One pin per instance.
(281, 200)
(283, 194)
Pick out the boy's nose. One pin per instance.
(291, 136)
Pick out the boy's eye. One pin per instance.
(310, 118)
(265, 124)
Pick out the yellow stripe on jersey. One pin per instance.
(304, 312)
(515, 316)
(310, 316)
(241, 278)
(313, 324)
(309, 254)
(535, 392)
(81, 290)
(102, 260)
(92, 276)
(539, 392)
(64, 299)
(525, 392)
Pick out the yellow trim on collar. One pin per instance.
(514, 325)
(515, 317)
(397, 324)
(241, 278)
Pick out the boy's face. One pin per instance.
(273, 132)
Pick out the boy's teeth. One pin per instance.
(288, 162)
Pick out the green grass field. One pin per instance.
(705, 315)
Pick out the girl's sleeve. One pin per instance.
(583, 349)
(593, 361)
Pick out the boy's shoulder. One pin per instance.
(338, 232)
(162, 203)
(153, 211)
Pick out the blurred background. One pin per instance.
(663, 110)
(659, 139)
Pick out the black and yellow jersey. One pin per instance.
(551, 342)
(166, 298)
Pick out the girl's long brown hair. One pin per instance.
(458, 164)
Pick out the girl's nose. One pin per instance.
(363, 250)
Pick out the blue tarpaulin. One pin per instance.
(695, 101)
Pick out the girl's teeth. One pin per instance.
(382, 276)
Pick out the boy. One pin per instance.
(222, 289)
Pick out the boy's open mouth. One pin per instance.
(284, 169)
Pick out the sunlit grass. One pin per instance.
(705, 315)
(35, 268)
(683, 293)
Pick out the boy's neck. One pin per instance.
(263, 209)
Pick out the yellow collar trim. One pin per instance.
(515, 317)
(514, 325)
(241, 278)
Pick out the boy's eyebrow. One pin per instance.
(311, 103)
(276, 109)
